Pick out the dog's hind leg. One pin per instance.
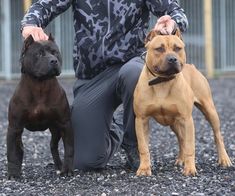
(142, 134)
(55, 138)
(14, 152)
(178, 133)
(208, 109)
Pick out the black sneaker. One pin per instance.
(133, 160)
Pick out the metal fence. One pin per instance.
(11, 12)
(1, 16)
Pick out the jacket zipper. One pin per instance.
(108, 30)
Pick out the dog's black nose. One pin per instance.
(172, 59)
(54, 62)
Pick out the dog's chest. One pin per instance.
(38, 111)
(167, 111)
(39, 117)
(164, 112)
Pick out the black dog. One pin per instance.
(39, 103)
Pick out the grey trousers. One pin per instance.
(98, 133)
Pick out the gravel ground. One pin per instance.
(39, 177)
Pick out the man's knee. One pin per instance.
(90, 160)
(132, 69)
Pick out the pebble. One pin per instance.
(123, 172)
(199, 194)
(232, 189)
(100, 178)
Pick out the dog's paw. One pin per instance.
(58, 172)
(144, 171)
(179, 162)
(225, 161)
(66, 172)
(189, 170)
(14, 177)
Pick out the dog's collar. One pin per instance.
(160, 79)
(42, 78)
(157, 79)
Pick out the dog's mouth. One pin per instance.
(45, 76)
(169, 71)
(54, 72)
(162, 75)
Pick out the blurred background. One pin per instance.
(209, 39)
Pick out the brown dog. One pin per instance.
(167, 90)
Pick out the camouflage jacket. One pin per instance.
(107, 32)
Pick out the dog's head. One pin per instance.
(165, 53)
(41, 60)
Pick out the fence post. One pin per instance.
(6, 41)
(27, 4)
(209, 53)
(223, 33)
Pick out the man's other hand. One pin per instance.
(37, 33)
(165, 25)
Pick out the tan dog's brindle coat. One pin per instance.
(171, 102)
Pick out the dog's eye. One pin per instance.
(160, 49)
(40, 54)
(177, 49)
(54, 52)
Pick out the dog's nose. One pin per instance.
(172, 59)
(54, 62)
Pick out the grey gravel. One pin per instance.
(40, 178)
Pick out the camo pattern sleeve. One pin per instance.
(170, 7)
(43, 11)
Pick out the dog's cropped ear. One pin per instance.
(51, 38)
(178, 33)
(150, 36)
(27, 42)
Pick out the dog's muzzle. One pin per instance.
(172, 66)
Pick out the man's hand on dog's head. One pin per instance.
(165, 25)
(37, 33)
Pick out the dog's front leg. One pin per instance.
(188, 130)
(142, 134)
(14, 152)
(178, 133)
(68, 140)
(55, 138)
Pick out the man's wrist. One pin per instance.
(26, 25)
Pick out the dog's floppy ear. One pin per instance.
(51, 38)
